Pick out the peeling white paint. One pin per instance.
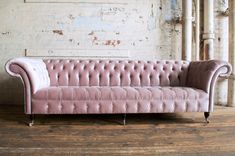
(119, 29)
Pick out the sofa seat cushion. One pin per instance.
(116, 99)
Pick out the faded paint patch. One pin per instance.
(59, 32)
(113, 43)
(91, 33)
(152, 19)
(173, 4)
(71, 17)
(5, 33)
(94, 23)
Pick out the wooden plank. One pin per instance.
(108, 53)
(144, 134)
(83, 1)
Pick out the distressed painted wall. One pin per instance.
(134, 29)
(221, 46)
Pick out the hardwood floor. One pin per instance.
(149, 134)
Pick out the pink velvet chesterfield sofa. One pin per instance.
(63, 86)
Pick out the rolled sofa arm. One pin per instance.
(203, 75)
(33, 74)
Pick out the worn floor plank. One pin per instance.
(144, 134)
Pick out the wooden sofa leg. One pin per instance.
(124, 119)
(31, 117)
(206, 115)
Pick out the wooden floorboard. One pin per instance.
(145, 134)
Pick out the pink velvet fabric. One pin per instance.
(203, 75)
(116, 73)
(109, 99)
(115, 86)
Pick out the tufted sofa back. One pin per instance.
(116, 73)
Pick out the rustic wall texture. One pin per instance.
(118, 29)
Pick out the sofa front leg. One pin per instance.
(206, 115)
(124, 119)
(31, 122)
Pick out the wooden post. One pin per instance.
(221, 48)
(231, 84)
(208, 34)
(187, 30)
(197, 21)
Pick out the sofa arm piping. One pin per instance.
(17, 71)
(223, 71)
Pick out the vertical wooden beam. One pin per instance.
(221, 48)
(197, 21)
(187, 30)
(231, 83)
(208, 34)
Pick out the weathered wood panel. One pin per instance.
(82, 1)
(152, 134)
(79, 52)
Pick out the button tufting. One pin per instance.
(73, 107)
(152, 70)
(150, 99)
(163, 106)
(99, 108)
